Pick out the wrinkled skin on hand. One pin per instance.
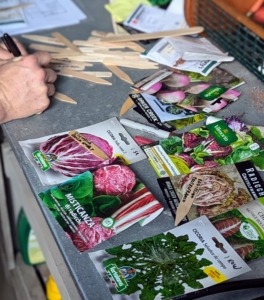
(25, 84)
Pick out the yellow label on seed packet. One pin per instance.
(125, 161)
(215, 274)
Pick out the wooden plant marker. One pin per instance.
(53, 49)
(99, 74)
(136, 64)
(83, 76)
(188, 198)
(64, 98)
(119, 73)
(89, 146)
(154, 35)
(65, 41)
(42, 39)
(129, 103)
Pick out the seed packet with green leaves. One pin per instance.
(94, 206)
(199, 149)
(182, 260)
(243, 228)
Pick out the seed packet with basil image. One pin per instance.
(182, 260)
(93, 207)
(198, 148)
(243, 228)
(222, 189)
(59, 157)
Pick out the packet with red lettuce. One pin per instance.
(94, 206)
(222, 189)
(198, 149)
(59, 157)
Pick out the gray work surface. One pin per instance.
(95, 104)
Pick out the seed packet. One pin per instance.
(243, 228)
(170, 95)
(59, 157)
(182, 260)
(197, 149)
(94, 206)
(222, 189)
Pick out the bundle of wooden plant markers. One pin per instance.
(72, 58)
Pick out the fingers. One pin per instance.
(51, 89)
(50, 75)
(42, 57)
(5, 54)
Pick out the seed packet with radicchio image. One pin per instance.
(198, 149)
(94, 206)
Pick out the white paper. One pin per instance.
(164, 52)
(12, 18)
(152, 19)
(198, 49)
(45, 14)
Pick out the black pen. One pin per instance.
(10, 45)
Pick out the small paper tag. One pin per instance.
(212, 92)
(87, 144)
(223, 134)
(188, 198)
(41, 160)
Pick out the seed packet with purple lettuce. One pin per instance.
(221, 189)
(61, 156)
(94, 206)
(197, 149)
(177, 262)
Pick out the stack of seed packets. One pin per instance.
(182, 260)
(177, 95)
(219, 143)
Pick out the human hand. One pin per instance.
(25, 86)
(5, 54)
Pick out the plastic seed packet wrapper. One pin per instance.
(182, 260)
(61, 156)
(93, 207)
(217, 144)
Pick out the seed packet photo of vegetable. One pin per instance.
(182, 260)
(57, 158)
(243, 228)
(222, 189)
(178, 95)
(197, 149)
(93, 207)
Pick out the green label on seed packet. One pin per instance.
(212, 92)
(222, 133)
(41, 160)
(114, 274)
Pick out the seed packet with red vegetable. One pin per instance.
(243, 228)
(94, 206)
(198, 148)
(221, 189)
(59, 157)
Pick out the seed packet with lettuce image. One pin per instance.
(198, 149)
(61, 156)
(177, 262)
(222, 189)
(93, 207)
(243, 228)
